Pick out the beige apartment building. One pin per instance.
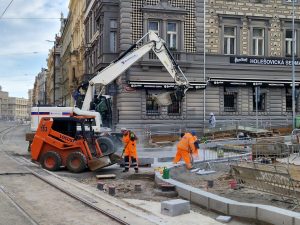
(72, 51)
(18, 108)
(3, 104)
(53, 75)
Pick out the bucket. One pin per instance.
(297, 122)
(233, 184)
(210, 183)
(166, 173)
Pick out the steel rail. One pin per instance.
(74, 196)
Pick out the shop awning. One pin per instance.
(251, 82)
(163, 84)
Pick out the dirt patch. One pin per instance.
(221, 186)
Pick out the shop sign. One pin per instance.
(263, 61)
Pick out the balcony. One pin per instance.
(178, 56)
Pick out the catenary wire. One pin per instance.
(6, 9)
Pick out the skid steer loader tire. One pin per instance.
(51, 161)
(106, 145)
(76, 162)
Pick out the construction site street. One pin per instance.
(31, 195)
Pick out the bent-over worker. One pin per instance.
(185, 148)
(130, 153)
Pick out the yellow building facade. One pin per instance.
(72, 55)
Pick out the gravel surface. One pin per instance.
(221, 186)
(16, 145)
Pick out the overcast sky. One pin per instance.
(23, 45)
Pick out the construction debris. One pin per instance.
(224, 219)
(106, 176)
(205, 172)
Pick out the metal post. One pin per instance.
(204, 66)
(293, 67)
(256, 106)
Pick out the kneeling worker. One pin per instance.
(185, 148)
(129, 140)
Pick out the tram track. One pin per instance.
(54, 181)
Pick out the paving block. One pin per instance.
(183, 191)
(175, 207)
(275, 215)
(146, 161)
(243, 210)
(165, 159)
(220, 204)
(198, 198)
(297, 221)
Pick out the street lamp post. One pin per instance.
(293, 66)
(54, 42)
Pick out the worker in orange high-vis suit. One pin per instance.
(185, 148)
(196, 143)
(130, 153)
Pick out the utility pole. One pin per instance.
(293, 68)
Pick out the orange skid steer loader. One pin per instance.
(65, 142)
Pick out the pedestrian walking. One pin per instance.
(212, 120)
(185, 149)
(130, 152)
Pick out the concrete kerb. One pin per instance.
(227, 206)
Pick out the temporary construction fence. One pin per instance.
(274, 179)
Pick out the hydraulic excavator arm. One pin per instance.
(132, 55)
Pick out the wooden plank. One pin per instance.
(106, 176)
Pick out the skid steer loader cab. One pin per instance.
(59, 143)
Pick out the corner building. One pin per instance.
(249, 64)
(111, 27)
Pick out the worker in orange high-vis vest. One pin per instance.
(185, 148)
(130, 153)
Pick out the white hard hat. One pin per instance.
(211, 114)
(123, 128)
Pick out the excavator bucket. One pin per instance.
(163, 99)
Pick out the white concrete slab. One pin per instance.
(192, 218)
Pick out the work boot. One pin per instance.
(136, 170)
(125, 170)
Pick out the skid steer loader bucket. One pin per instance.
(98, 163)
(108, 160)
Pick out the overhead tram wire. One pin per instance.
(6, 9)
(30, 18)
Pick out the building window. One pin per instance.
(152, 107)
(261, 101)
(113, 36)
(153, 26)
(230, 102)
(90, 28)
(289, 102)
(229, 40)
(174, 108)
(258, 41)
(172, 35)
(289, 42)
